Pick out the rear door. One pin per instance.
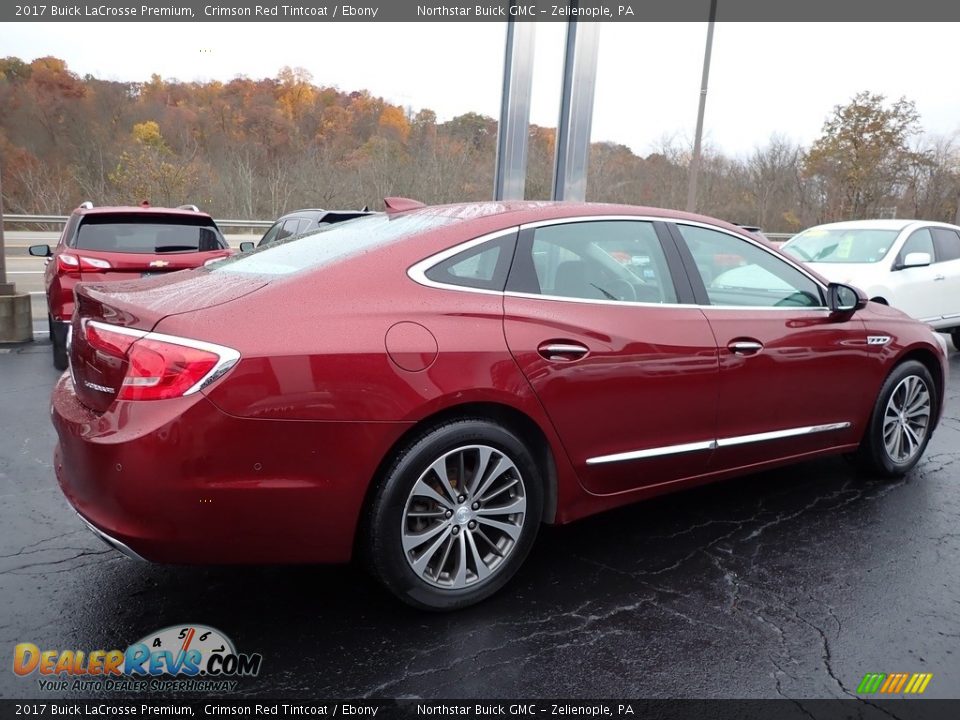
(946, 245)
(597, 314)
(792, 377)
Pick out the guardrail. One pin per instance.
(61, 219)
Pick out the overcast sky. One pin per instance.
(765, 77)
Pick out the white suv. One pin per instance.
(912, 265)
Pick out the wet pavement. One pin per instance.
(791, 583)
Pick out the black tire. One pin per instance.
(58, 340)
(388, 523)
(874, 455)
(955, 336)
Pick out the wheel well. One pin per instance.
(929, 360)
(518, 422)
(882, 301)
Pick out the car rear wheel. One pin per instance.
(58, 340)
(955, 336)
(455, 516)
(901, 422)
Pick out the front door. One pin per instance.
(792, 377)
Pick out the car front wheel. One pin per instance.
(455, 516)
(901, 422)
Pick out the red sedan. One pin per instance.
(424, 388)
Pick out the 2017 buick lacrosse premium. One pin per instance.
(423, 388)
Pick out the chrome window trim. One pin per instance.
(717, 443)
(228, 357)
(417, 272)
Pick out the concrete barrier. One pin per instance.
(16, 320)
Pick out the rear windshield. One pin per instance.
(331, 243)
(154, 234)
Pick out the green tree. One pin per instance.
(863, 158)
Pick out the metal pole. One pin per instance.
(956, 219)
(695, 160)
(510, 175)
(5, 287)
(576, 110)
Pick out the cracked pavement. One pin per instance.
(792, 583)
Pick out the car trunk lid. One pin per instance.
(109, 318)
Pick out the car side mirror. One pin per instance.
(246, 246)
(40, 250)
(844, 298)
(916, 259)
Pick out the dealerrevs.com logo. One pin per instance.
(177, 658)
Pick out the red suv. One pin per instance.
(121, 243)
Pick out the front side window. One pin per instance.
(841, 245)
(270, 235)
(620, 260)
(736, 272)
(920, 241)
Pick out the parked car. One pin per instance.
(302, 221)
(100, 244)
(424, 388)
(909, 264)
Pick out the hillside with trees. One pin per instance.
(257, 148)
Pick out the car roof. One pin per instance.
(528, 211)
(135, 209)
(885, 224)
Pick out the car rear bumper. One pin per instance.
(180, 481)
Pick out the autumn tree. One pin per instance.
(863, 156)
(149, 170)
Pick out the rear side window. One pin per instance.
(289, 228)
(148, 234)
(946, 242)
(484, 267)
(618, 260)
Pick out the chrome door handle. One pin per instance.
(562, 351)
(745, 347)
(939, 277)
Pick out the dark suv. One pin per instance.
(101, 244)
(301, 221)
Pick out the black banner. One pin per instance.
(866, 709)
(485, 11)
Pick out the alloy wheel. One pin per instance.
(906, 419)
(463, 517)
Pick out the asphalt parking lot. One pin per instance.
(793, 583)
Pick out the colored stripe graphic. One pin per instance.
(894, 683)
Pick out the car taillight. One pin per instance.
(161, 370)
(160, 366)
(87, 263)
(68, 263)
(75, 263)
